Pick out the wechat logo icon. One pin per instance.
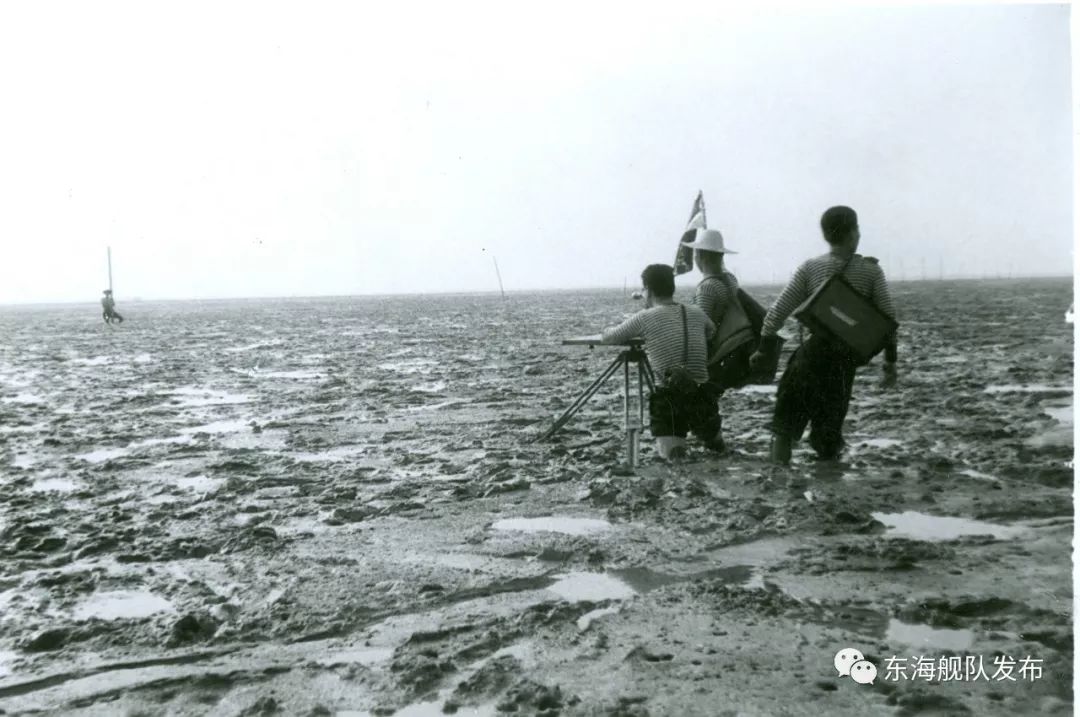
(849, 662)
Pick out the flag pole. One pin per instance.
(108, 254)
(684, 256)
(499, 277)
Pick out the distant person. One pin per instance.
(717, 295)
(815, 388)
(108, 308)
(676, 338)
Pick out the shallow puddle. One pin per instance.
(902, 633)
(333, 454)
(199, 484)
(1061, 414)
(60, 485)
(920, 526)
(194, 396)
(1057, 437)
(977, 474)
(553, 524)
(771, 388)
(593, 587)
(31, 428)
(232, 426)
(25, 461)
(122, 604)
(165, 441)
(879, 443)
(294, 375)
(433, 387)
(95, 361)
(24, 399)
(266, 440)
(434, 709)
(592, 616)
(1026, 388)
(103, 454)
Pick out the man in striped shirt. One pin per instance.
(676, 337)
(816, 386)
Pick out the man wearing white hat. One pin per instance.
(717, 296)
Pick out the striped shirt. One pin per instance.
(713, 295)
(662, 328)
(863, 274)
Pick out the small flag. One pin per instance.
(684, 257)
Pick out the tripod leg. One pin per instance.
(641, 394)
(649, 374)
(630, 457)
(580, 401)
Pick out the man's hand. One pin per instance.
(766, 352)
(888, 379)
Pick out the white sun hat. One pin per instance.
(709, 240)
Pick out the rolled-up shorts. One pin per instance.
(672, 414)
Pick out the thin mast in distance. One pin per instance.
(498, 276)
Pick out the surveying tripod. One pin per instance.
(632, 354)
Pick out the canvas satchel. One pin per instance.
(734, 329)
(845, 319)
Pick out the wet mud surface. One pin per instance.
(320, 506)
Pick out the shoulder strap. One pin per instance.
(733, 294)
(841, 275)
(685, 337)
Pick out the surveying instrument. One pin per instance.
(632, 354)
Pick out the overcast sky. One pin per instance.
(263, 150)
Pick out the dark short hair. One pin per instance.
(659, 279)
(837, 223)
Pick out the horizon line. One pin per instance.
(485, 292)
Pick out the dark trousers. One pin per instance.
(110, 316)
(674, 414)
(816, 390)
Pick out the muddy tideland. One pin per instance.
(312, 507)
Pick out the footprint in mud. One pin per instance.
(493, 678)
(871, 556)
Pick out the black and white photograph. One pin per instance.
(545, 360)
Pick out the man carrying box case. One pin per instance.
(816, 386)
